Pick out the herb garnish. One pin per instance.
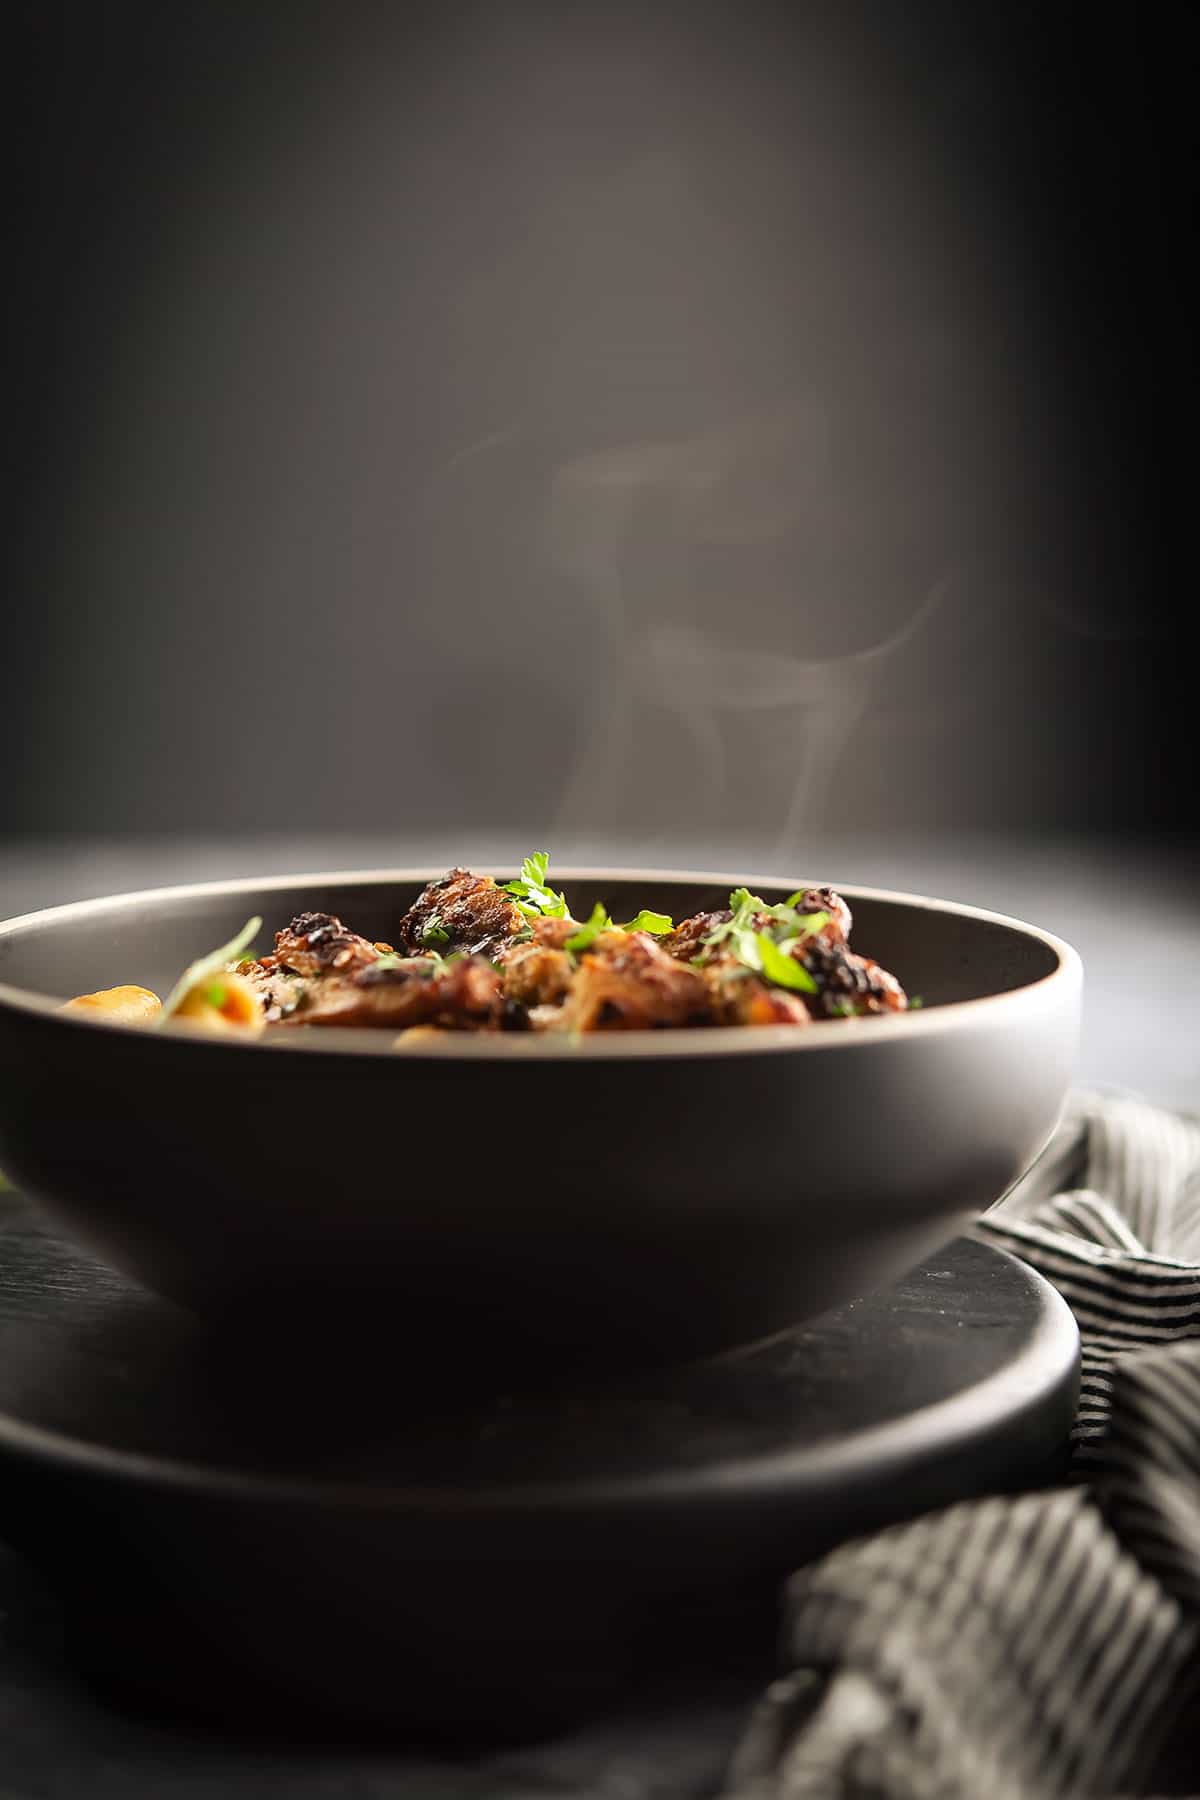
(785, 971)
(657, 924)
(535, 899)
(765, 949)
(588, 933)
(205, 968)
(433, 931)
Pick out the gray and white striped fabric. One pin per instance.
(1047, 1645)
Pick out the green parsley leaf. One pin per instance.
(807, 925)
(760, 949)
(534, 898)
(216, 993)
(782, 969)
(434, 932)
(915, 1003)
(656, 923)
(205, 967)
(743, 905)
(587, 934)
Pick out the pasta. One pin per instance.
(121, 1005)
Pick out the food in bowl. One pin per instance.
(477, 955)
(498, 1198)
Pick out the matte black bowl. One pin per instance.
(496, 1199)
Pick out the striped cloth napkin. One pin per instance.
(1048, 1645)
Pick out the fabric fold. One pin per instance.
(1043, 1646)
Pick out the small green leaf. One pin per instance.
(534, 898)
(745, 946)
(215, 963)
(216, 993)
(915, 1002)
(588, 933)
(434, 932)
(658, 924)
(806, 925)
(782, 969)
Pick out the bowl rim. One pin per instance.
(460, 1047)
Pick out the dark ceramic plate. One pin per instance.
(623, 1196)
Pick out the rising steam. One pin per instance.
(624, 524)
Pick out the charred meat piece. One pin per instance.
(836, 929)
(461, 911)
(317, 944)
(686, 942)
(463, 995)
(849, 984)
(627, 982)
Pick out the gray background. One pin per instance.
(711, 419)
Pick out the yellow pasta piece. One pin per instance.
(121, 1005)
(224, 1002)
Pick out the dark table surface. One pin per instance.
(1129, 909)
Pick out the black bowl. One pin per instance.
(496, 1199)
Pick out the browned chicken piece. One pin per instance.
(687, 940)
(538, 971)
(315, 946)
(740, 998)
(461, 911)
(318, 943)
(551, 934)
(849, 984)
(533, 975)
(627, 982)
(462, 995)
(836, 929)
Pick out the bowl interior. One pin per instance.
(940, 952)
